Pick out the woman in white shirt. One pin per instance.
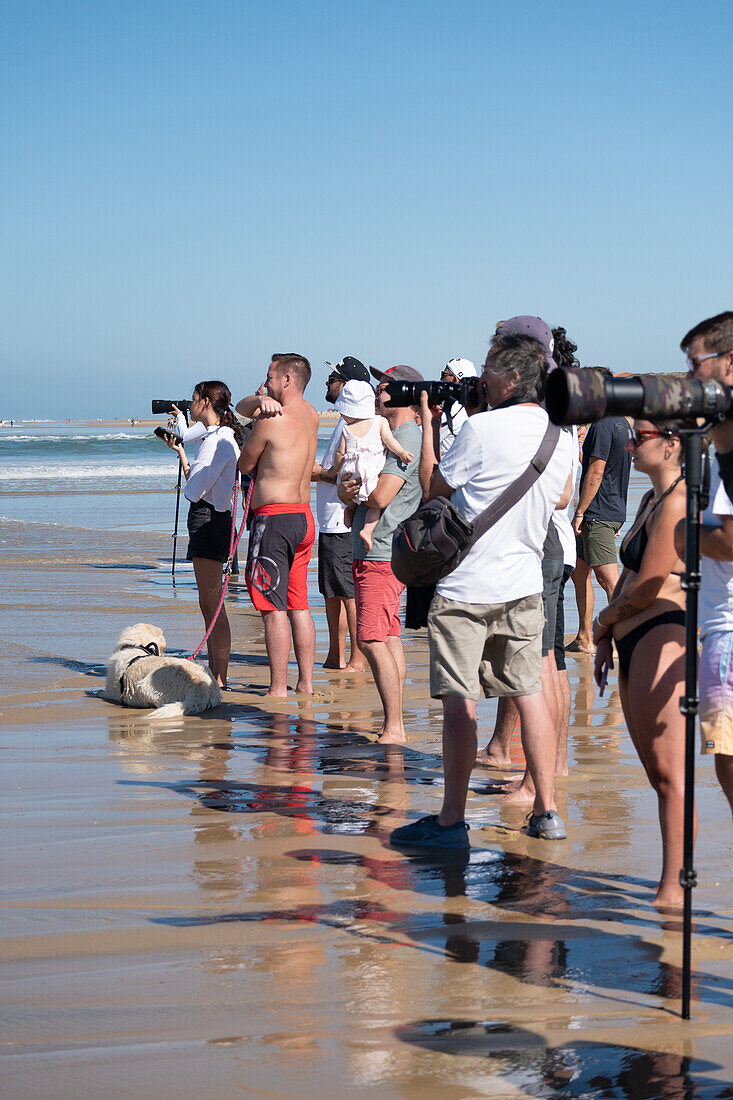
(210, 487)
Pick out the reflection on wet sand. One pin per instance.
(214, 904)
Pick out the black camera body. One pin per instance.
(403, 394)
(166, 407)
(584, 396)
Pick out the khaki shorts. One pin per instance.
(497, 647)
(596, 544)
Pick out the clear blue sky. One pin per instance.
(188, 187)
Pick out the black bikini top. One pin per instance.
(634, 545)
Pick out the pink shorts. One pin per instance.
(378, 593)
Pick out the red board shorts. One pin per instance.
(280, 546)
(378, 593)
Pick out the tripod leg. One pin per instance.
(689, 704)
(175, 529)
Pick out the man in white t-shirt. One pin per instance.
(486, 620)
(335, 577)
(709, 350)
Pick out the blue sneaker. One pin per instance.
(547, 826)
(427, 833)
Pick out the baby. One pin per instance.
(361, 450)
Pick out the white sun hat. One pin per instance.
(356, 399)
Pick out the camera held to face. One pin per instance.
(466, 392)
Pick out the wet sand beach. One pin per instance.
(211, 907)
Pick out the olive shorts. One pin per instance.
(596, 543)
(494, 647)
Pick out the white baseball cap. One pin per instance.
(462, 368)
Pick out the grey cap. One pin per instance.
(400, 373)
(534, 327)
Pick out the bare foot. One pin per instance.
(669, 900)
(336, 665)
(353, 668)
(519, 796)
(490, 760)
(392, 737)
(366, 539)
(578, 646)
(512, 782)
(276, 694)
(304, 687)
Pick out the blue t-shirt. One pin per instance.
(607, 439)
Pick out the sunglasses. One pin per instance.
(639, 436)
(333, 378)
(694, 361)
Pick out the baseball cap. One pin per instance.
(462, 368)
(400, 373)
(350, 368)
(534, 327)
(356, 399)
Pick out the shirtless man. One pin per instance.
(282, 449)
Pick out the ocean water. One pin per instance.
(101, 479)
(112, 477)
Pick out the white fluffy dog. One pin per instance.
(138, 675)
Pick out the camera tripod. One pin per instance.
(178, 508)
(697, 479)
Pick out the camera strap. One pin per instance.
(514, 492)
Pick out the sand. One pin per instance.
(213, 909)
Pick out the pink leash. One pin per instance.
(233, 544)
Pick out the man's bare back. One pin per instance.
(282, 446)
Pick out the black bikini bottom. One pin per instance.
(625, 646)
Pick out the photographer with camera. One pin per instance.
(210, 482)
(708, 349)
(454, 417)
(486, 620)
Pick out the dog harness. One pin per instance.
(150, 650)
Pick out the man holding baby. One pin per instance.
(378, 593)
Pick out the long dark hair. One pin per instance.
(220, 399)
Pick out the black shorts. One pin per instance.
(551, 579)
(335, 576)
(560, 619)
(209, 532)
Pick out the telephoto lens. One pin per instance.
(586, 395)
(402, 394)
(164, 408)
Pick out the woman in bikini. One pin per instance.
(646, 619)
